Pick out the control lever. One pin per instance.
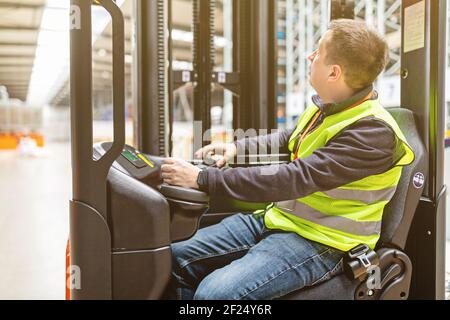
(210, 160)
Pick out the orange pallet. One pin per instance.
(8, 142)
(38, 138)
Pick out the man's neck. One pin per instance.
(332, 108)
(340, 96)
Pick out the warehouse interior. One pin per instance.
(35, 150)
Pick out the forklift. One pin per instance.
(123, 218)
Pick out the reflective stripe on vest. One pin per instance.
(366, 196)
(301, 210)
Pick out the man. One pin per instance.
(346, 158)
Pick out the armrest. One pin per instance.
(187, 206)
(183, 194)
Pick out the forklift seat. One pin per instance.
(395, 267)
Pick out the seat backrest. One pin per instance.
(399, 212)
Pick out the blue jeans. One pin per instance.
(241, 259)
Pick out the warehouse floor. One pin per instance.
(34, 197)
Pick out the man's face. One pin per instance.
(319, 70)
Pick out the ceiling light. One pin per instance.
(51, 64)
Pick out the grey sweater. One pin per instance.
(367, 147)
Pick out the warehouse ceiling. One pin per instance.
(20, 22)
(102, 50)
(19, 29)
(102, 63)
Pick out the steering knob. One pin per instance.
(212, 159)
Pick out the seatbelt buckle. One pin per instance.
(360, 252)
(359, 261)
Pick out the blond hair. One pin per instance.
(360, 51)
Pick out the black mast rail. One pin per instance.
(423, 92)
(90, 237)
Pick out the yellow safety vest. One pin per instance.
(350, 214)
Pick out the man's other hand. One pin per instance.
(222, 152)
(180, 173)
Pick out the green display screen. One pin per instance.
(130, 156)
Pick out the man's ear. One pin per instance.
(335, 73)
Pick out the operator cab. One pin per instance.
(186, 205)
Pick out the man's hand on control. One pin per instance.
(222, 152)
(180, 173)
